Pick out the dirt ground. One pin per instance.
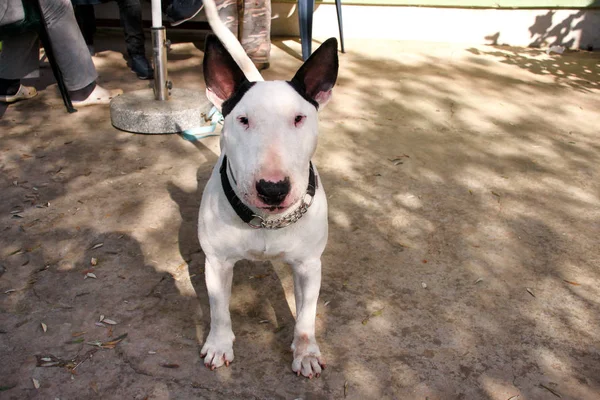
(462, 262)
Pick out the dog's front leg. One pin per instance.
(218, 348)
(307, 283)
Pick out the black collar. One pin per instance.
(242, 210)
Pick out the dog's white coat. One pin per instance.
(271, 147)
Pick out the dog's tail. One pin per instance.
(231, 43)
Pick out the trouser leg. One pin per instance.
(70, 50)
(86, 19)
(19, 57)
(255, 30)
(131, 19)
(229, 14)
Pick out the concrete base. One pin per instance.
(139, 112)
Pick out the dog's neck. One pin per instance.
(257, 218)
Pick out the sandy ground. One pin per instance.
(463, 252)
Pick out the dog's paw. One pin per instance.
(307, 357)
(217, 350)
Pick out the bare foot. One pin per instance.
(98, 96)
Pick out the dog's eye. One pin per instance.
(243, 120)
(299, 119)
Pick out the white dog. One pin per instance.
(264, 199)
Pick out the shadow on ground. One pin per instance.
(463, 195)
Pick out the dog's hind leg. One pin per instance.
(218, 348)
(307, 282)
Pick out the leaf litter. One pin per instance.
(50, 360)
(111, 344)
(373, 314)
(554, 392)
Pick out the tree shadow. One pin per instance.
(578, 70)
(456, 181)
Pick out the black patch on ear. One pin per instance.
(319, 73)
(301, 89)
(221, 74)
(230, 103)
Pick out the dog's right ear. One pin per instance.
(221, 74)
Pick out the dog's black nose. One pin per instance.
(273, 193)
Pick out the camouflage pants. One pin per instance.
(250, 21)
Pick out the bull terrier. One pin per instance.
(264, 199)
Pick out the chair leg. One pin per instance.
(305, 18)
(45, 39)
(338, 7)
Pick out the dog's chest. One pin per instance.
(267, 245)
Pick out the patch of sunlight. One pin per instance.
(364, 379)
(573, 191)
(432, 176)
(341, 162)
(200, 332)
(340, 218)
(183, 282)
(550, 360)
(153, 213)
(499, 389)
(478, 178)
(224, 375)
(74, 251)
(185, 177)
(409, 200)
(286, 279)
(360, 200)
(107, 58)
(410, 234)
(474, 117)
(472, 180)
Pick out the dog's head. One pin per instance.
(270, 129)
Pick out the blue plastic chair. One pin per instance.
(305, 19)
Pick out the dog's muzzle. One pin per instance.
(274, 191)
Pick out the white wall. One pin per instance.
(572, 28)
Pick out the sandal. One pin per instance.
(24, 93)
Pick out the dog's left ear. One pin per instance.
(318, 74)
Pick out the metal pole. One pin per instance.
(162, 85)
(156, 14)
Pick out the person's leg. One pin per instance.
(70, 50)
(229, 14)
(86, 19)
(130, 12)
(255, 31)
(19, 59)
(179, 11)
(131, 19)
